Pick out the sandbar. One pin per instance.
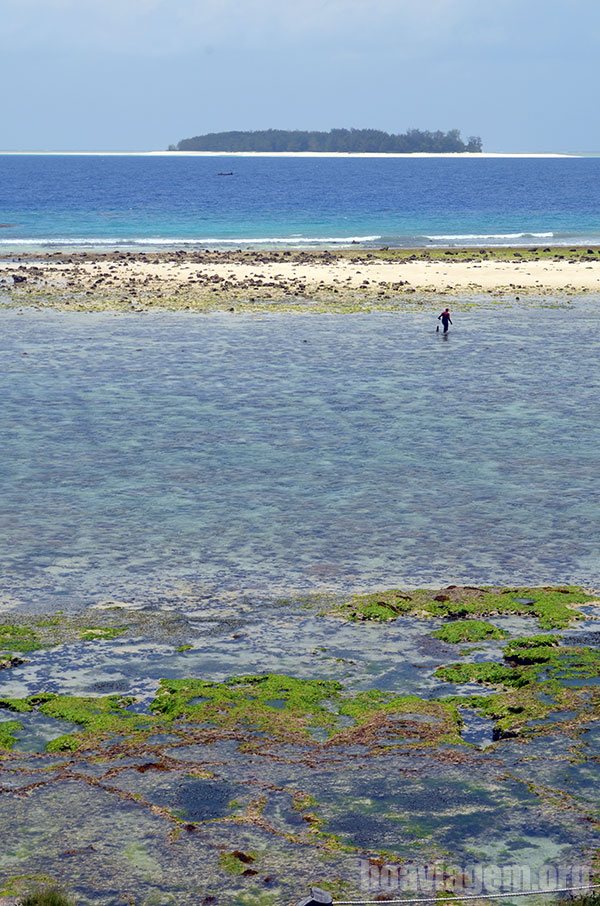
(299, 280)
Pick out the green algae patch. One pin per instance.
(554, 607)
(104, 716)
(47, 896)
(237, 862)
(302, 801)
(99, 633)
(8, 734)
(539, 677)
(68, 742)
(379, 607)
(514, 710)
(99, 717)
(468, 631)
(280, 705)
(270, 707)
(18, 705)
(25, 885)
(380, 715)
(560, 662)
(285, 708)
(532, 649)
(16, 637)
(35, 634)
(536, 659)
(30, 633)
(490, 674)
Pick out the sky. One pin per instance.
(143, 74)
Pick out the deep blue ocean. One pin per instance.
(102, 200)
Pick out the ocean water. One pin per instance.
(147, 458)
(103, 201)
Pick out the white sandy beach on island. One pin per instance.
(214, 279)
(462, 155)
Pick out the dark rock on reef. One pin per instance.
(10, 660)
(243, 857)
(498, 734)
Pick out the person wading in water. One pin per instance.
(445, 319)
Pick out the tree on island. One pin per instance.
(349, 141)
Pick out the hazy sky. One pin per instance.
(141, 74)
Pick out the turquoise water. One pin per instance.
(150, 458)
(103, 201)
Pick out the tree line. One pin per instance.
(339, 140)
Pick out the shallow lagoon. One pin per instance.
(162, 457)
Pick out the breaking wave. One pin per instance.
(161, 240)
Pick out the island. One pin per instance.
(343, 141)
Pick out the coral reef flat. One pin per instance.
(163, 757)
(314, 281)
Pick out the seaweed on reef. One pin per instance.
(16, 637)
(287, 708)
(238, 862)
(8, 731)
(540, 676)
(535, 649)
(379, 606)
(533, 659)
(100, 717)
(47, 896)
(554, 607)
(468, 631)
(49, 632)
(283, 706)
(35, 632)
(29, 886)
(257, 711)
